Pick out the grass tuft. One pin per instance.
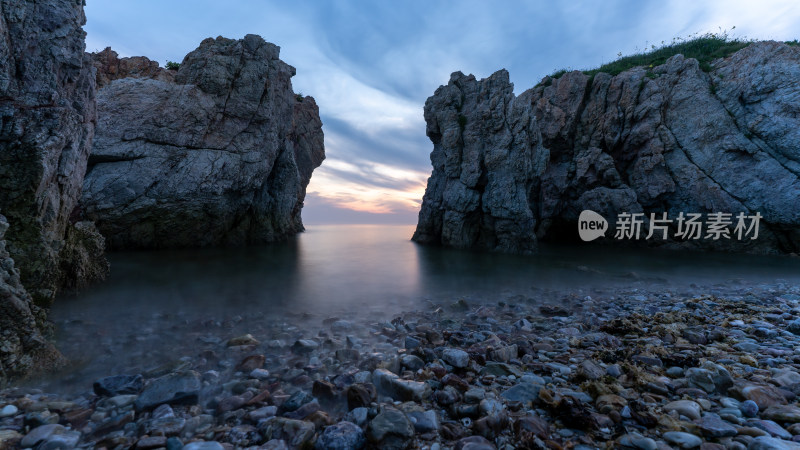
(704, 48)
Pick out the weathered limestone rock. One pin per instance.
(47, 118)
(219, 153)
(510, 170)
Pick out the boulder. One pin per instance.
(509, 171)
(218, 152)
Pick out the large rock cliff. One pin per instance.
(23, 347)
(217, 152)
(47, 118)
(510, 170)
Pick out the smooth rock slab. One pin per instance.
(246, 339)
(589, 370)
(503, 354)
(174, 388)
(391, 430)
(296, 433)
(118, 385)
(523, 392)
(151, 442)
(770, 427)
(720, 376)
(634, 440)
(295, 401)
(412, 362)
(424, 421)
(786, 377)
(500, 369)
(769, 443)
(455, 357)
(44, 433)
(682, 440)
(700, 378)
(342, 436)
(474, 443)
(533, 424)
(304, 346)
(358, 416)
(749, 347)
(764, 396)
(8, 411)
(714, 427)
(794, 327)
(208, 445)
(398, 388)
(166, 426)
(686, 408)
(259, 374)
(782, 413)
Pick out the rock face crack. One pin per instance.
(669, 139)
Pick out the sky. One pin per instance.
(371, 65)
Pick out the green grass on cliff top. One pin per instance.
(704, 48)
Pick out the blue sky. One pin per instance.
(371, 65)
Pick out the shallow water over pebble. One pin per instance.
(158, 306)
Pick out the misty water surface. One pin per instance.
(155, 304)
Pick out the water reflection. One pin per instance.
(344, 269)
(156, 306)
(205, 280)
(570, 267)
(357, 267)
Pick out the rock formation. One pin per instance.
(111, 67)
(23, 348)
(217, 152)
(47, 112)
(511, 170)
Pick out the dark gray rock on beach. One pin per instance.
(47, 105)
(511, 170)
(554, 394)
(217, 152)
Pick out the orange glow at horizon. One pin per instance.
(329, 183)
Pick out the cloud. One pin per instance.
(321, 211)
(374, 188)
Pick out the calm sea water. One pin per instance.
(150, 307)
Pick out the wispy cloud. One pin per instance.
(371, 65)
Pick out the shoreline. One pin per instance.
(585, 371)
